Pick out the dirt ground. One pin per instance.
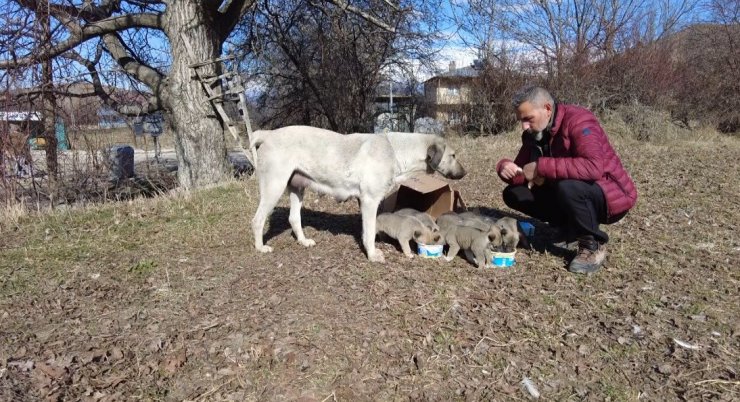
(166, 299)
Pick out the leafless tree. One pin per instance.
(321, 66)
(709, 68)
(152, 43)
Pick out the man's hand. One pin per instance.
(530, 174)
(510, 170)
(530, 171)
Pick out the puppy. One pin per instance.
(424, 217)
(404, 229)
(476, 220)
(447, 221)
(478, 244)
(509, 233)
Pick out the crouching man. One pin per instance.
(567, 174)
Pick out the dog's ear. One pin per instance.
(435, 153)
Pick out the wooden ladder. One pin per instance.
(217, 97)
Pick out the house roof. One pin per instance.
(460, 72)
(19, 116)
(457, 73)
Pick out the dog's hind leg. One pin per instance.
(453, 250)
(296, 203)
(270, 192)
(470, 256)
(369, 208)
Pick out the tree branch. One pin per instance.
(344, 5)
(149, 76)
(153, 104)
(94, 29)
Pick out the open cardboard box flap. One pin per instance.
(425, 193)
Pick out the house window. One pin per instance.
(454, 90)
(454, 117)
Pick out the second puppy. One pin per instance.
(406, 228)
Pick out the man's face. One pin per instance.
(534, 118)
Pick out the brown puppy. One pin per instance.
(476, 220)
(509, 233)
(477, 244)
(424, 217)
(404, 229)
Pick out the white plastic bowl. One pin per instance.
(429, 250)
(503, 260)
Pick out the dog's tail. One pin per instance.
(255, 140)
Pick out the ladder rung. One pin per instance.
(207, 62)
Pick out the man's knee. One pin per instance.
(515, 196)
(571, 191)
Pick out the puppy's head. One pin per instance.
(509, 234)
(494, 238)
(441, 158)
(427, 237)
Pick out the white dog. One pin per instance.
(362, 166)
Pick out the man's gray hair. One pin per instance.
(533, 94)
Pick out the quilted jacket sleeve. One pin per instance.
(586, 154)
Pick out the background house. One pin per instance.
(447, 95)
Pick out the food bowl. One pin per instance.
(429, 250)
(503, 260)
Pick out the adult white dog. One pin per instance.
(362, 166)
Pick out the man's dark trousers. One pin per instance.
(577, 207)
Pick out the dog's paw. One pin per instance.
(410, 255)
(449, 259)
(377, 256)
(264, 249)
(307, 242)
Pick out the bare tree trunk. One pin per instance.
(199, 135)
(48, 113)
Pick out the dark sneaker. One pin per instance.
(591, 255)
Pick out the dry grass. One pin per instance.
(166, 299)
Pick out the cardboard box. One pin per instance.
(425, 193)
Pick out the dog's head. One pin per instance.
(441, 157)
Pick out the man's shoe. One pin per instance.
(591, 254)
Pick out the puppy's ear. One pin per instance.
(435, 153)
(417, 234)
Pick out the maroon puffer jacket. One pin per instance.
(579, 149)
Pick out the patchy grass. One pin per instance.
(166, 299)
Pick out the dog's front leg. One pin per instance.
(369, 210)
(296, 203)
(406, 248)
